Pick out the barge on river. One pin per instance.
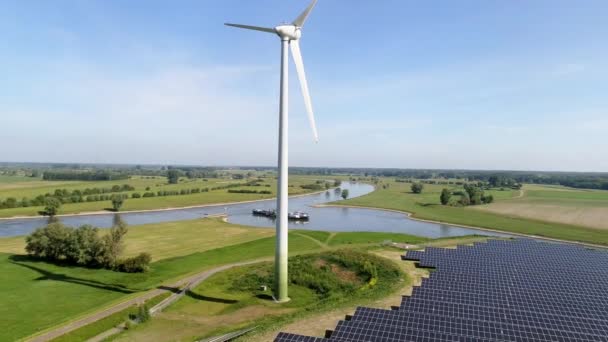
(295, 215)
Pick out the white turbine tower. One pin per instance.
(290, 35)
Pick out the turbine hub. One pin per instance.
(288, 32)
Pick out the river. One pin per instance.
(325, 218)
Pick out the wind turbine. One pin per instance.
(290, 35)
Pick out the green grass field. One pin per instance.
(36, 295)
(561, 205)
(107, 323)
(427, 206)
(231, 300)
(171, 239)
(30, 188)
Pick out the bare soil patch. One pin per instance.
(592, 217)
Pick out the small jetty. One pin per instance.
(294, 216)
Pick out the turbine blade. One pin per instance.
(299, 22)
(297, 58)
(255, 28)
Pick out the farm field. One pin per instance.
(398, 196)
(588, 208)
(36, 295)
(27, 187)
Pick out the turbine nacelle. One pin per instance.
(288, 32)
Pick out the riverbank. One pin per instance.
(106, 212)
(410, 216)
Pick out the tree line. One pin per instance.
(248, 191)
(67, 196)
(85, 246)
(97, 175)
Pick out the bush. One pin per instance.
(417, 188)
(143, 313)
(140, 263)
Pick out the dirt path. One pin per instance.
(520, 194)
(321, 244)
(190, 281)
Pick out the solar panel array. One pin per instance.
(502, 290)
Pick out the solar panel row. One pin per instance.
(502, 290)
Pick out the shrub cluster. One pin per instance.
(99, 175)
(313, 187)
(247, 191)
(84, 246)
(472, 195)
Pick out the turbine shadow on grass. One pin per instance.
(197, 296)
(48, 275)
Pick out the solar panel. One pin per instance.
(501, 290)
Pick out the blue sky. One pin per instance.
(413, 84)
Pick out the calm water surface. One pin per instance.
(328, 219)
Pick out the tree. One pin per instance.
(143, 314)
(51, 206)
(445, 196)
(488, 199)
(84, 246)
(117, 202)
(49, 242)
(465, 199)
(113, 244)
(327, 185)
(417, 188)
(345, 193)
(173, 176)
(337, 183)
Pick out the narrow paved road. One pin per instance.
(191, 281)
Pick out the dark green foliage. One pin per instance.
(143, 314)
(417, 187)
(117, 202)
(445, 196)
(67, 196)
(331, 275)
(84, 246)
(173, 176)
(98, 175)
(140, 263)
(247, 191)
(51, 206)
(313, 187)
(113, 244)
(344, 194)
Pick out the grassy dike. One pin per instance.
(426, 206)
(35, 295)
